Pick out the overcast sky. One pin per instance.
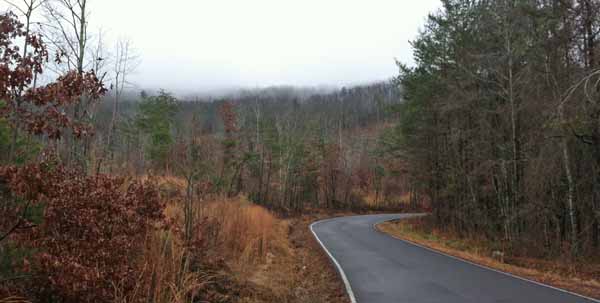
(196, 45)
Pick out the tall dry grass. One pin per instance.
(229, 229)
(242, 232)
(168, 273)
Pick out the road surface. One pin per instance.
(377, 268)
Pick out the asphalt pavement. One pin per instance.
(378, 268)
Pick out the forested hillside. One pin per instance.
(287, 150)
(501, 123)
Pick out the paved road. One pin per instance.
(379, 268)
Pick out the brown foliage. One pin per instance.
(229, 117)
(92, 229)
(40, 111)
(51, 100)
(17, 71)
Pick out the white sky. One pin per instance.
(196, 45)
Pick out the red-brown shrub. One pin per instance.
(92, 231)
(39, 110)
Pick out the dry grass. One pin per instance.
(242, 253)
(171, 187)
(298, 271)
(278, 258)
(240, 244)
(167, 275)
(479, 252)
(242, 232)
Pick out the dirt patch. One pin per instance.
(585, 281)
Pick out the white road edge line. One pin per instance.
(482, 266)
(337, 264)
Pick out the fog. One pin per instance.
(211, 45)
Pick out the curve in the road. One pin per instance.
(377, 268)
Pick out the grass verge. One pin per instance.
(273, 259)
(255, 256)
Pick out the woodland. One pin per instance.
(501, 122)
(109, 194)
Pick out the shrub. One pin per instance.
(91, 232)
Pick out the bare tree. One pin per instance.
(101, 56)
(126, 61)
(67, 31)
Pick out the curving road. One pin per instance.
(378, 268)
